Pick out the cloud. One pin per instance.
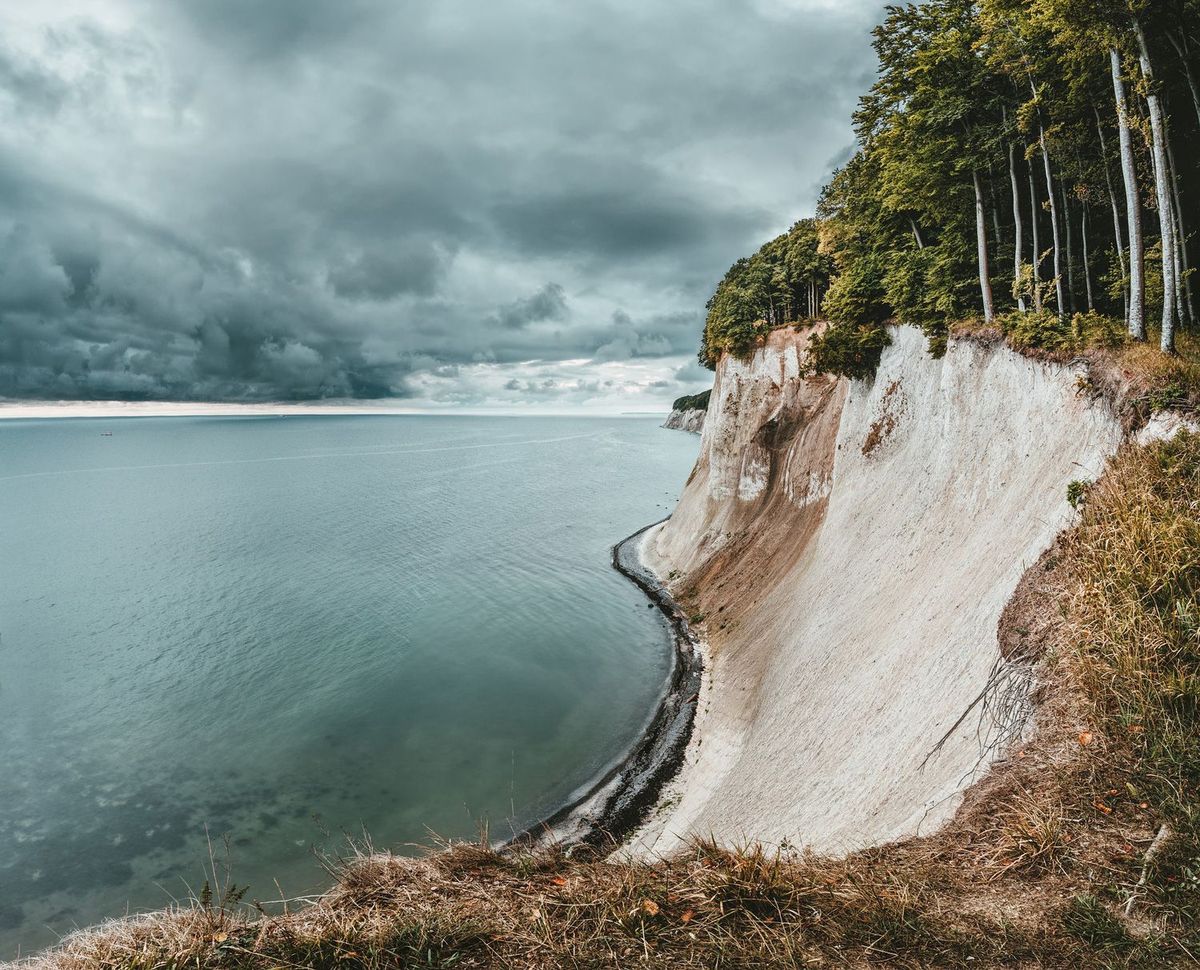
(548, 303)
(693, 373)
(412, 267)
(201, 199)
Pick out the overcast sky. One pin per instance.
(501, 204)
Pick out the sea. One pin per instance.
(258, 644)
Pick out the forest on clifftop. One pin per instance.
(1024, 164)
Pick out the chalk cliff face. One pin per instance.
(690, 420)
(851, 546)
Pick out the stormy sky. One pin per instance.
(510, 204)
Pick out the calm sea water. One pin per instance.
(289, 629)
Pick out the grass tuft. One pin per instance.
(1087, 918)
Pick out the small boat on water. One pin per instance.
(105, 434)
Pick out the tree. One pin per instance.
(779, 284)
(1166, 215)
(1133, 206)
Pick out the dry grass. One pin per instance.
(1038, 868)
(1135, 635)
(1032, 833)
(1141, 379)
(464, 907)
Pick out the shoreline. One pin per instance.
(616, 805)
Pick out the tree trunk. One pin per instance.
(1037, 251)
(1017, 228)
(1182, 276)
(1087, 270)
(1166, 216)
(995, 207)
(916, 233)
(985, 283)
(1062, 191)
(1133, 207)
(1174, 249)
(1116, 213)
(1058, 280)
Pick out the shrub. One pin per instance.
(1060, 335)
(1172, 395)
(1165, 381)
(736, 337)
(847, 350)
(1077, 492)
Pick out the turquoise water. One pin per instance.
(290, 629)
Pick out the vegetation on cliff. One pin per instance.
(781, 283)
(692, 402)
(1014, 157)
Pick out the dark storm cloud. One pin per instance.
(412, 267)
(548, 303)
(294, 199)
(629, 221)
(269, 29)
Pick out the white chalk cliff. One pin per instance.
(851, 545)
(689, 420)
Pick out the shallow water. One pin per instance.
(285, 630)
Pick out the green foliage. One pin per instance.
(777, 285)
(1058, 335)
(966, 89)
(1037, 292)
(847, 350)
(1167, 396)
(857, 294)
(854, 230)
(901, 213)
(1088, 920)
(692, 402)
(1099, 330)
(1077, 490)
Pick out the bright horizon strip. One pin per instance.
(261, 461)
(39, 410)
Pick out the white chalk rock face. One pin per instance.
(852, 546)
(690, 420)
(1165, 425)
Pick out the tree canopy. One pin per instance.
(781, 283)
(1013, 157)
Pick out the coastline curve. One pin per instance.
(616, 804)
